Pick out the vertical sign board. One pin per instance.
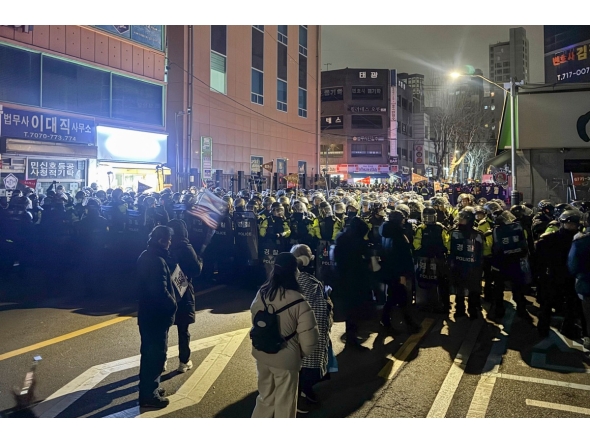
(207, 158)
(281, 168)
(393, 115)
(256, 164)
(301, 167)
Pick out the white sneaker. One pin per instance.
(183, 368)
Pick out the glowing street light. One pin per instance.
(513, 92)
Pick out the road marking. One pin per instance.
(396, 362)
(83, 331)
(62, 338)
(445, 395)
(224, 346)
(554, 406)
(543, 381)
(485, 386)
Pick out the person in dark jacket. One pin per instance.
(352, 275)
(191, 264)
(578, 263)
(397, 268)
(155, 315)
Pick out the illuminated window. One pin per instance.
(218, 59)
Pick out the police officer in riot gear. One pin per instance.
(301, 225)
(556, 285)
(555, 224)
(430, 250)
(509, 263)
(466, 262)
(543, 218)
(442, 214)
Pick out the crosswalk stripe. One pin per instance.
(554, 406)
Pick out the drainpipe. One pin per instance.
(189, 120)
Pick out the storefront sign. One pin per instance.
(55, 169)
(368, 138)
(358, 168)
(207, 157)
(149, 35)
(130, 145)
(368, 74)
(281, 167)
(332, 94)
(332, 122)
(393, 115)
(302, 167)
(568, 65)
(501, 178)
(419, 155)
(256, 164)
(36, 125)
(581, 179)
(32, 183)
(367, 93)
(367, 109)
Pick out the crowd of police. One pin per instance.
(452, 249)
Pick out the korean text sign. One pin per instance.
(36, 125)
(55, 169)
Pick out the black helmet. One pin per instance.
(397, 217)
(504, 218)
(545, 206)
(581, 206)
(404, 209)
(520, 211)
(560, 208)
(429, 215)
(493, 208)
(572, 215)
(468, 214)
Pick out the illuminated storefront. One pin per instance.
(126, 157)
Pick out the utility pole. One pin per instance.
(327, 64)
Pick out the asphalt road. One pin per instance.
(451, 368)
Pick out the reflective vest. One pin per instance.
(431, 243)
(327, 228)
(509, 241)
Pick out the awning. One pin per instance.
(500, 160)
(371, 175)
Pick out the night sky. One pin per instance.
(423, 49)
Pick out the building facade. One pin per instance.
(366, 123)
(510, 59)
(240, 97)
(82, 104)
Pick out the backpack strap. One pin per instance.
(292, 335)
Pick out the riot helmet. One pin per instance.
(505, 218)
(572, 216)
(429, 216)
(560, 208)
(325, 209)
(467, 216)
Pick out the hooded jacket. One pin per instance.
(183, 254)
(157, 297)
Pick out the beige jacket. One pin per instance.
(298, 318)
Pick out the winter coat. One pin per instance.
(578, 263)
(157, 297)
(313, 291)
(299, 318)
(191, 265)
(397, 253)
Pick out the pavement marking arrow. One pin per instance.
(396, 362)
(191, 392)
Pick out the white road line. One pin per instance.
(543, 381)
(485, 386)
(449, 386)
(209, 290)
(554, 406)
(71, 392)
(395, 364)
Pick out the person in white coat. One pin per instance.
(278, 374)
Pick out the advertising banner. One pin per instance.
(45, 126)
(149, 35)
(55, 169)
(419, 155)
(281, 167)
(302, 167)
(32, 183)
(255, 164)
(207, 158)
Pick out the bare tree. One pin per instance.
(476, 159)
(457, 124)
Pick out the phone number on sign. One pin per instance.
(579, 72)
(50, 137)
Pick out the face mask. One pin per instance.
(351, 214)
(298, 216)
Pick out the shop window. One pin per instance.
(20, 76)
(137, 101)
(366, 150)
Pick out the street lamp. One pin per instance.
(513, 93)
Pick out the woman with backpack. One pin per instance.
(284, 331)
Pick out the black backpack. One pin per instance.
(266, 333)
